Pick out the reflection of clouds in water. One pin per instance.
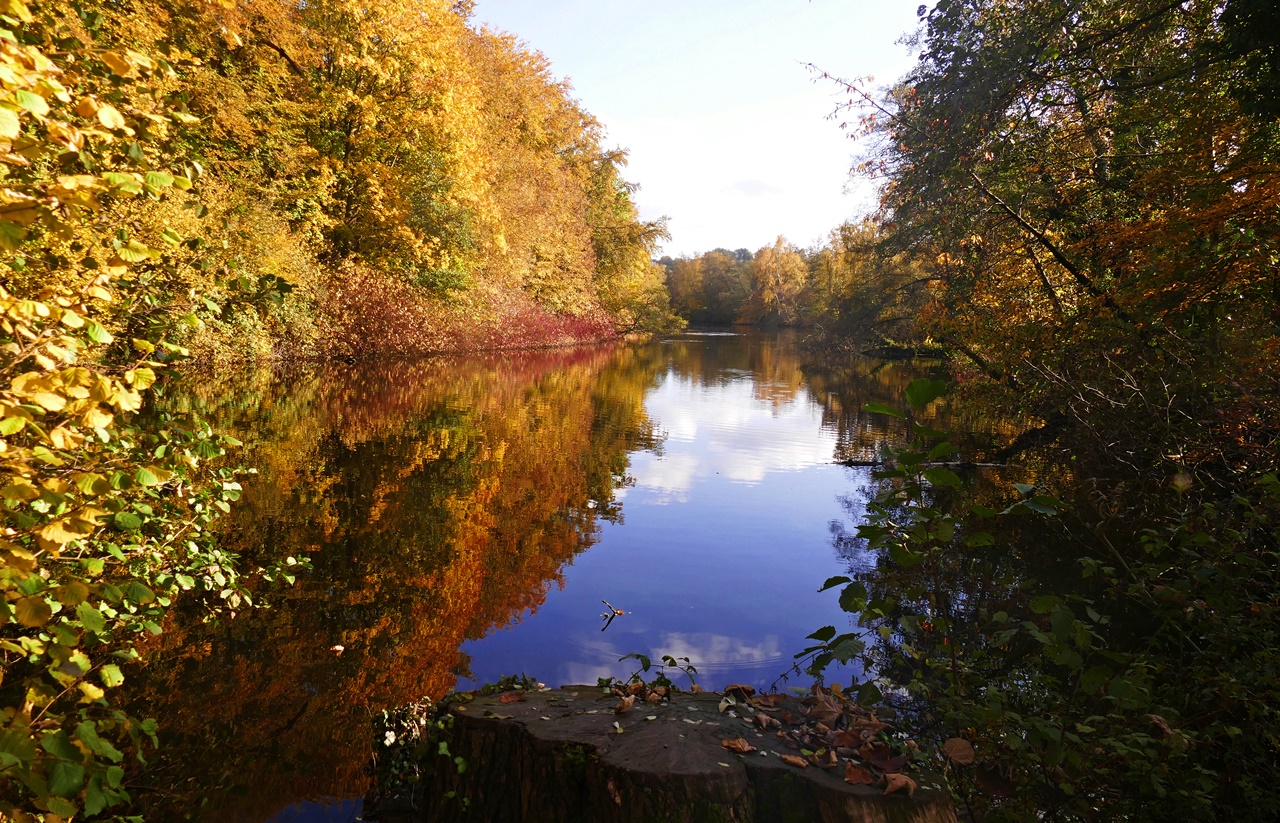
(707, 652)
(738, 435)
(712, 651)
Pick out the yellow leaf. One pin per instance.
(47, 400)
(96, 418)
(19, 488)
(62, 532)
(111, 118)
(72, 594)
(10, 125)
(118, 63)
(71, 320)
(33, 611)
(140, 378)
(99, 293)
(90, 691)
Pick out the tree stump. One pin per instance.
(564, 755)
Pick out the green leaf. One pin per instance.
(941, 450)
(127, 521)
(111, 675)
(66, 779)
(135, 252)
(94, 800)
(881, 408)
(138, 593)
(158, 179)
(869, 694)
(832, 582)
(91, 618)
(33, 103)
(978, 539)
(146, 477)
(60, 746)
(939, 476)
(643, 659)
(96, 332)
(1045, 603)
(15, 748)
(924, 391)
(854, 598)
(823, 634)
(62, 806)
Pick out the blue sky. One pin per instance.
(727, 130)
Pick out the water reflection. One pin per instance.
(466, 517)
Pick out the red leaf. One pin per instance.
(512, 697)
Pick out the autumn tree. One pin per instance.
(778, 277)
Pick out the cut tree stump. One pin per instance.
(557, 756)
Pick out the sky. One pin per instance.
(729, 135)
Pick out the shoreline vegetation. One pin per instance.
(1078, 204)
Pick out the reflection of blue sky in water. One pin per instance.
(725, 540)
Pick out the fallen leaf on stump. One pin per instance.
(511, 697)
(889, 765)
(857, 776)
(898, 782)
(959, 751)
(625, 704)
(768, 701)
(739, 689)
(792, 760)
(739, 745)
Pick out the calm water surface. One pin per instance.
(466, 517)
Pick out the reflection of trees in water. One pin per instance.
(436, 500)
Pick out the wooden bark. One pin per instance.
(557, 756)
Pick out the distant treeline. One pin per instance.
(848, 288)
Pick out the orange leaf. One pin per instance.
(898, 782)
(793, 760)
(512, 697)
(857, 775)
(739, 745)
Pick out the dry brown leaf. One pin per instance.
(792, 760)
(959, 751)
(890, 765)
(512, 697)
(766, 722)
(825, 709)
(739, 745)
(857, 775)
(625, 704)
(739, 688)
(898, 782)
(768, 701)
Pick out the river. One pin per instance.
(466, 518)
